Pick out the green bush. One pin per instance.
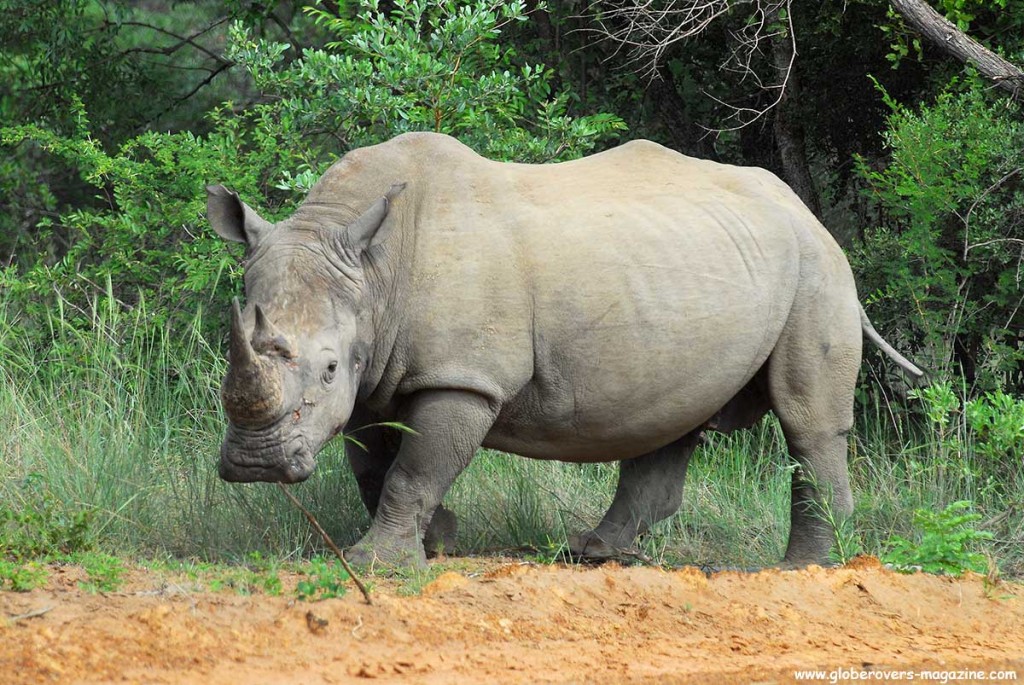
(147, 241)
(426, 66)
(982, 437)
(40, 526)
(945, 263)
(997, 420)
(947, 542)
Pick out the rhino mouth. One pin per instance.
(248, 456)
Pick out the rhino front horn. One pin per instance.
(251, 392)
(240, 352)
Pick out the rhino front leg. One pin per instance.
(370, 467)
(650, 489)
(450, 426)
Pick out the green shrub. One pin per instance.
(945, 263)
(434, 66)
(946, 545)
(997, 420)
(982, 437)
(21, 577)
(40, 526)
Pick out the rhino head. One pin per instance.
(299, 348)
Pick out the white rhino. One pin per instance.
(604, 309)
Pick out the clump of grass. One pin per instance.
(505, 502)
(104, 573)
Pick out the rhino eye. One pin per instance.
(328, 375)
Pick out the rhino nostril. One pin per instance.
(297, 451)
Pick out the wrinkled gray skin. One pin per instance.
(604, 309)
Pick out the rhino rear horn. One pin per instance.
(363, 231)
(266, 339)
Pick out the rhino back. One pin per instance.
(608, 305)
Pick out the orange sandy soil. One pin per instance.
(513, 622)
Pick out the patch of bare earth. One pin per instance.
(519, 623)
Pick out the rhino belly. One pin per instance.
(591, 402)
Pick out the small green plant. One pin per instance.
(945, 544)
(848, 543)
(940, 403)
(21, 577)
(552, 552)
(412, 581)
(104, 572)
(325, 580)
(39, 526)
(260, 574)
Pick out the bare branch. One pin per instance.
(645, 30)
(199, 86)
(974, 205)
(327, 539)
(183, 40)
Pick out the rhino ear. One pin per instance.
(233, 219)
(365, 231)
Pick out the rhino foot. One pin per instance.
(798, 565)
(440, 536)
(591, 546)
(379, 555)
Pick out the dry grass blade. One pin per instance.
(330, 543)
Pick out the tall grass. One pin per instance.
(115, 415)
(118, 417)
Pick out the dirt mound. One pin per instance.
(520, 623)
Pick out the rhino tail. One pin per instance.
(869, 330)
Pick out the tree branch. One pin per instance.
(646, 29)
(183, 40)
(955, 42)
(199, 86)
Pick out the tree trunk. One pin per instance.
(789, 132)
(955, 42)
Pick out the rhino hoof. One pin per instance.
(589, 545)
(378, 558)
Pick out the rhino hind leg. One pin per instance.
(812, 375)
(650, 489)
